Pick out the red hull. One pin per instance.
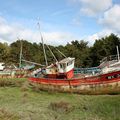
(101, 79)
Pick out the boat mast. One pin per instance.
(20, 62)
(43, 45)
(118, 53)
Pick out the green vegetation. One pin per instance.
(85, 55)
(20, 102)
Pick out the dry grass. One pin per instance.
(4, 82)
(61, 106)
(6, 115)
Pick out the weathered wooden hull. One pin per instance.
(101, 84)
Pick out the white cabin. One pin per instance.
(66, 65)
(62, 68)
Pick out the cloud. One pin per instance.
(111, 18)
(91, 38)
(58, 38)
(93, 7)
(10, 32)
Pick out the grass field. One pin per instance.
(19, 102)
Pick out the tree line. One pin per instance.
(85, 55)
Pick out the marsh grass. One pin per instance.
(23, 103)
(6, 115)
(12, 82)
(61, 106)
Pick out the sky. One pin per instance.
(61, 21)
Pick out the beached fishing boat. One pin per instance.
(59, 76)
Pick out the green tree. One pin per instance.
(4, 52)
(104, 47)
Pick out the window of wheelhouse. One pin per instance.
(69, 63)
(63, 65)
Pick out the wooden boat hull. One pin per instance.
(102, 84)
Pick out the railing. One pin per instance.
(109, 60)
(87, 70)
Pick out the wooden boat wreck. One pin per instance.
(60, 76)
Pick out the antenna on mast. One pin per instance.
(43, 44)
